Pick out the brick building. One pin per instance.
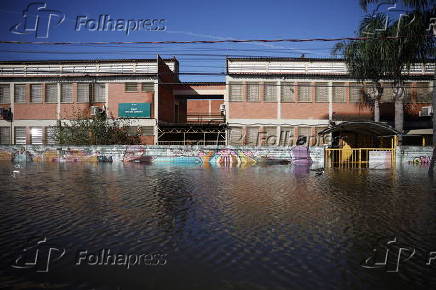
(266, 101)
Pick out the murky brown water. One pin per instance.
(273, 227)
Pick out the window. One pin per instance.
(270, 136)
(147, 131)
(5, 135)
(35, 94)
(287, 92)
(355, 93)
(270, 92)
(423, 92)
(36, 135)
(304, 131)
(5, 95)
(320, 140)
(252, 135)
(100, 93)
(322, 92)
(235, 92)
(236, 136)
(147, 87)
(20, 135)
(304, 95)
(51, 93)
(253, 92)
(388, 92)
(83, 93)
(50, 135)
(286, 136)
(131, 87)
(19, 93)
(66, 93)
(338, 93)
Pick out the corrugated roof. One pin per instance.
(82, 61)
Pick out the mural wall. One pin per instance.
(201, 155)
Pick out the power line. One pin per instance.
(209, 41)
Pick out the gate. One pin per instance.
(359, 157)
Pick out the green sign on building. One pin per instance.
(134, 110)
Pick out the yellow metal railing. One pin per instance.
(355, 157)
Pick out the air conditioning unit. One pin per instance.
(426, 111)
(223, 108)
(95, 110)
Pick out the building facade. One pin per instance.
(273, 101)
(263, 101)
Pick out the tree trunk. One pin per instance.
(433, 158)
(376, 110)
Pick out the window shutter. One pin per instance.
(252, 135)
(270, 92)
(235, 92)
(236, 137)
(322, 93)
(50, 135)
(83, 93)
(35, 94)
(66, 93)
(339, 93)
(304, 95)
(253, 92)
(286, 136)
(20, 135)
(287, 92)
(19, 94)
(131, 87)
(36, 135)
(355, 93)
(5, 94)
(100, 93)
(147, 87)
(51, 93)
(5, 135)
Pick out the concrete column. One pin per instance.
(330, 101)
(279, 110)
(106, 88)
(12, 98)
(58, 107)
(156, 110)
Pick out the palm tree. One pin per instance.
(425, 10)
(364, 59)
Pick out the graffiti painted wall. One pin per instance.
(202, 155)
(415, 155)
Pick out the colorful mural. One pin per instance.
(196, 155)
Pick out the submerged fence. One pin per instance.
(360, 157)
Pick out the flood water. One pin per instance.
(275, 227)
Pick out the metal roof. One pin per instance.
(362, 127)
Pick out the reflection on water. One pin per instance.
(269, 227)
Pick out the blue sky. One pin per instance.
(186, 20)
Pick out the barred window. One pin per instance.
(50, 135)
(322, 92)
(253, 92)
(131, 87)
(338, 93)
(20, 135)
(304, 131)
(235, 92)
(19, 93)
(423, 92)
(83, 93)
(147, 87)
(388, 92)
(304, 93)
(147, 131)
(252, 135)
(236, 136)
(286, 136)
(270, 135)
(270, 92)
(51, 93)
(100, 93)
(355, 93)
(5, 94)
(66, 93)
(35, 94)
(36, 135)
(287, 93)
(5, 135)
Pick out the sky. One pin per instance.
(179, 21)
